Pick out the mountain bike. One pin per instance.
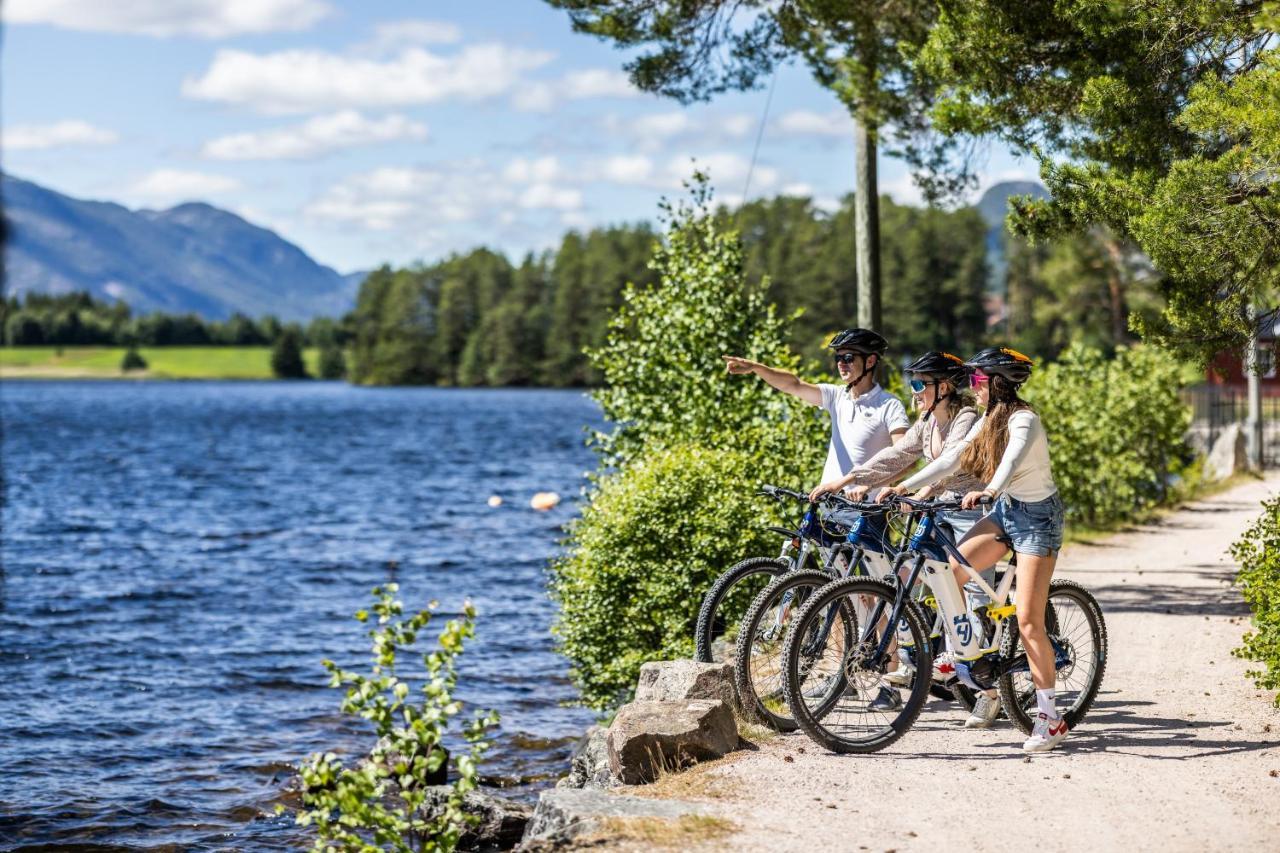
(985, 639)
(727, 600)
(862, 547)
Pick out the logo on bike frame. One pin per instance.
(964, 630)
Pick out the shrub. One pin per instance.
(382, 803)
(132, 360)
(1258, 553)
(333, 365)
(1116, 430)
(674, 504)
(651, 540)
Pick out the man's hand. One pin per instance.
(827, 488)
(890, 492)
(739, 366)
(857, 493)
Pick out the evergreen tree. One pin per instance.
(286, 355)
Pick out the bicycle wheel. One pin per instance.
(757, 666)
(814, 659)
(1078, 633)
(726, 602)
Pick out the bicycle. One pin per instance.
(986, 641)
(864, 549)
(719, 616)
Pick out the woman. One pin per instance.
(939, 385)
(1008, 450)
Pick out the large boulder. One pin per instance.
(1228, 455)
(650, 738)
(674, 680)
(565, 814)
(589, 765)
(502, 821)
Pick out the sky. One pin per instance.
(391, 131)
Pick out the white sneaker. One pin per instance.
(1046, 734)
(900, 677)
(984, 713)
(944, 668)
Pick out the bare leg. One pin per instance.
(980, 549)
(1031, 597)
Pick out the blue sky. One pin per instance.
(391, 131)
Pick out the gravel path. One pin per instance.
(1180, 752)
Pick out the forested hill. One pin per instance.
(193, 258)
(477, 319)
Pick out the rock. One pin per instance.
(1228, 454)
(502, 821)
(544, 500)
(674, 680)
(589, 766)
(647, 738)
(564, 814)
(495, 501)
(722, 651)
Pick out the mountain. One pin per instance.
(193, 257)
(993, 206)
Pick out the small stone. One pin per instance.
(1026, 759)
(1267, 727)
(543, 501)
(911, 833)
(1274, 774)
(788, 759)
(972, 767)
(831, 805)
(800, 749)
(1066, 775)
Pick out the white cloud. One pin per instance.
(727, 171)
(28, 137)
(654, 132)
(634, 170)
(798, 189)
(316, 136)
(165, 18)
(309, 80)
(394, 35)
(836, 123)
(180, 185)
(543, 96)
(903, 190)
(410, 199)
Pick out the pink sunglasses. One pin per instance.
(978, 378)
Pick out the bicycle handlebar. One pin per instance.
(778, 493)
(933, 504)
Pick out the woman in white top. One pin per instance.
(1008, 450)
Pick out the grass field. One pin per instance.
(162, 363)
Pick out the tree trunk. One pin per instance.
(1115, 289)
(866, 219)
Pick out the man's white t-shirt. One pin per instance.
(861, 426)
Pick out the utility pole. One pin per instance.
(1253, 422)
(866, 220)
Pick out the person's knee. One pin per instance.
(1030, 627)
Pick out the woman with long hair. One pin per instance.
(940, 391)
(1008, 450)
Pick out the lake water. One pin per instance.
(178, 558)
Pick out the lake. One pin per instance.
(178, 558)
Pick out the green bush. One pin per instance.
(652, 539)
(132, 360)
(1116, 430)
(384, 803)
(286, 355)
(674, 504)
(333, 364)
(1258, 553)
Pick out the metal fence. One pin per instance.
(1216, 407)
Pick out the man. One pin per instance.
(865, 418)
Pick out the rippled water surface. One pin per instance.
(177, 559)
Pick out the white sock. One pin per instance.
(1044, 701)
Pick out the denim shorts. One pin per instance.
(1033, 527)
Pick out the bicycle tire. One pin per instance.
(704, 634)
(1015, 687)
(818, 726)
(747, 662)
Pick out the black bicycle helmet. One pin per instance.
(863, 341)
(1002, 361)
(942, 365)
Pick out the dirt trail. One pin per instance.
(1180, 752)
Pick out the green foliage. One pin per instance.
(382, 803)
(1156, 120)
(132, 360)
(1116, 430)
(674, 505)
(1258, 553)
(651, 539)
(286, 355)
(665, 381)
(333, 364)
